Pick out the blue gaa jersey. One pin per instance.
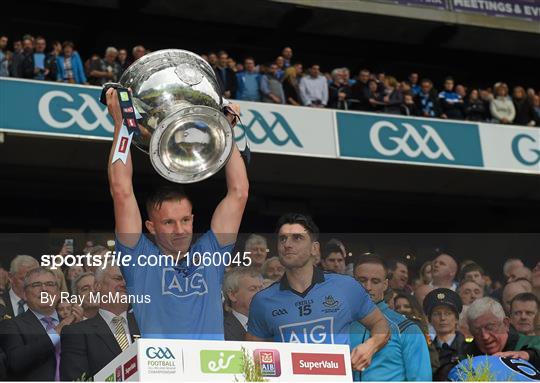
(322, 314)
(404, 358)
(185, 302)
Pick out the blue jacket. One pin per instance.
(77, 66)
(404, 358)
(248, 86)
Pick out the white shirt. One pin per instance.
(241, 318)
(109, 316)
(453, 287)
(14, 298)
(448, 342)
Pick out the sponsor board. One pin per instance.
(269, 361)
(130, 367)
(221, 361)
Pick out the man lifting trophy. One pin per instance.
(182, 123)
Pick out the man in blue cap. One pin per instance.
(406, 356)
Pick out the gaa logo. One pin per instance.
(258, 130)
(408, 140)
(159, 353)
(526, 149)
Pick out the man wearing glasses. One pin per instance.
(32, 339)
(494, 336)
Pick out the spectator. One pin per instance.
(257, 248)
(444, 272)
(475, 108)
(51, 59)
(469, 291)
(536, 106)
(517, 273)
(225, 75)
(474, 272)
(239, 287)
(72, 273)
(14, 297)
(493, 334)
(64, 310)
(69, 65)
(17, 46)
(451, 102)
(272, 269)
(231, 64)
(427, 101)
(339, 90)
(137, 52)
(99, 254)
(461, 90)
(398, 274)
(405, 357)
(212, 59)
(531, 93)
(525, 114)
(32, 339)
(271, 87)
(280, 62)
(443, 307)
(413, 82)
(501, 107)
(22, 64)
(524, 313)
(90, 345)
(5, 57)
(375, 97)
(287, 55)
(425, 273)
(123, 59)
(248, 82)
(509, 264)
(347, 80)
(333, 259)
(393, 97)
(405, 88)
(405, 304)
(536, 280)
(291, 87)
(4, 279)
(40, 59)
(82, 286)
(105, 70)
(314, 88)
(512, 289)
(359, 92)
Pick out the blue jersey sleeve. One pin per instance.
(143, 246)
(358, 299)
(416, 354)
(257, 324)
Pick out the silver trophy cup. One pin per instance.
(183, 128)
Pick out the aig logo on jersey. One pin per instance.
(174, 283)
(313, 331)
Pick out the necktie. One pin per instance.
(20, 307)
(50, 330)
(120, 332)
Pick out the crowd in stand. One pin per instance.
(443, 310)
(285, 80)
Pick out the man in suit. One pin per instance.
(31, 340)
(13, 297)
(225, 76)
(90, 345)
(239, 286)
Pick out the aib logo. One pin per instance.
(526, 149)
(159, 353)
(73, 116)
(408, 140)
(173, 284)
(258, 130)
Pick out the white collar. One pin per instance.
(14, 297)
(109, 316)
(448, 342)
(241, 318)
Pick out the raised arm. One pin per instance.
(126, 211)
(228, 214)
